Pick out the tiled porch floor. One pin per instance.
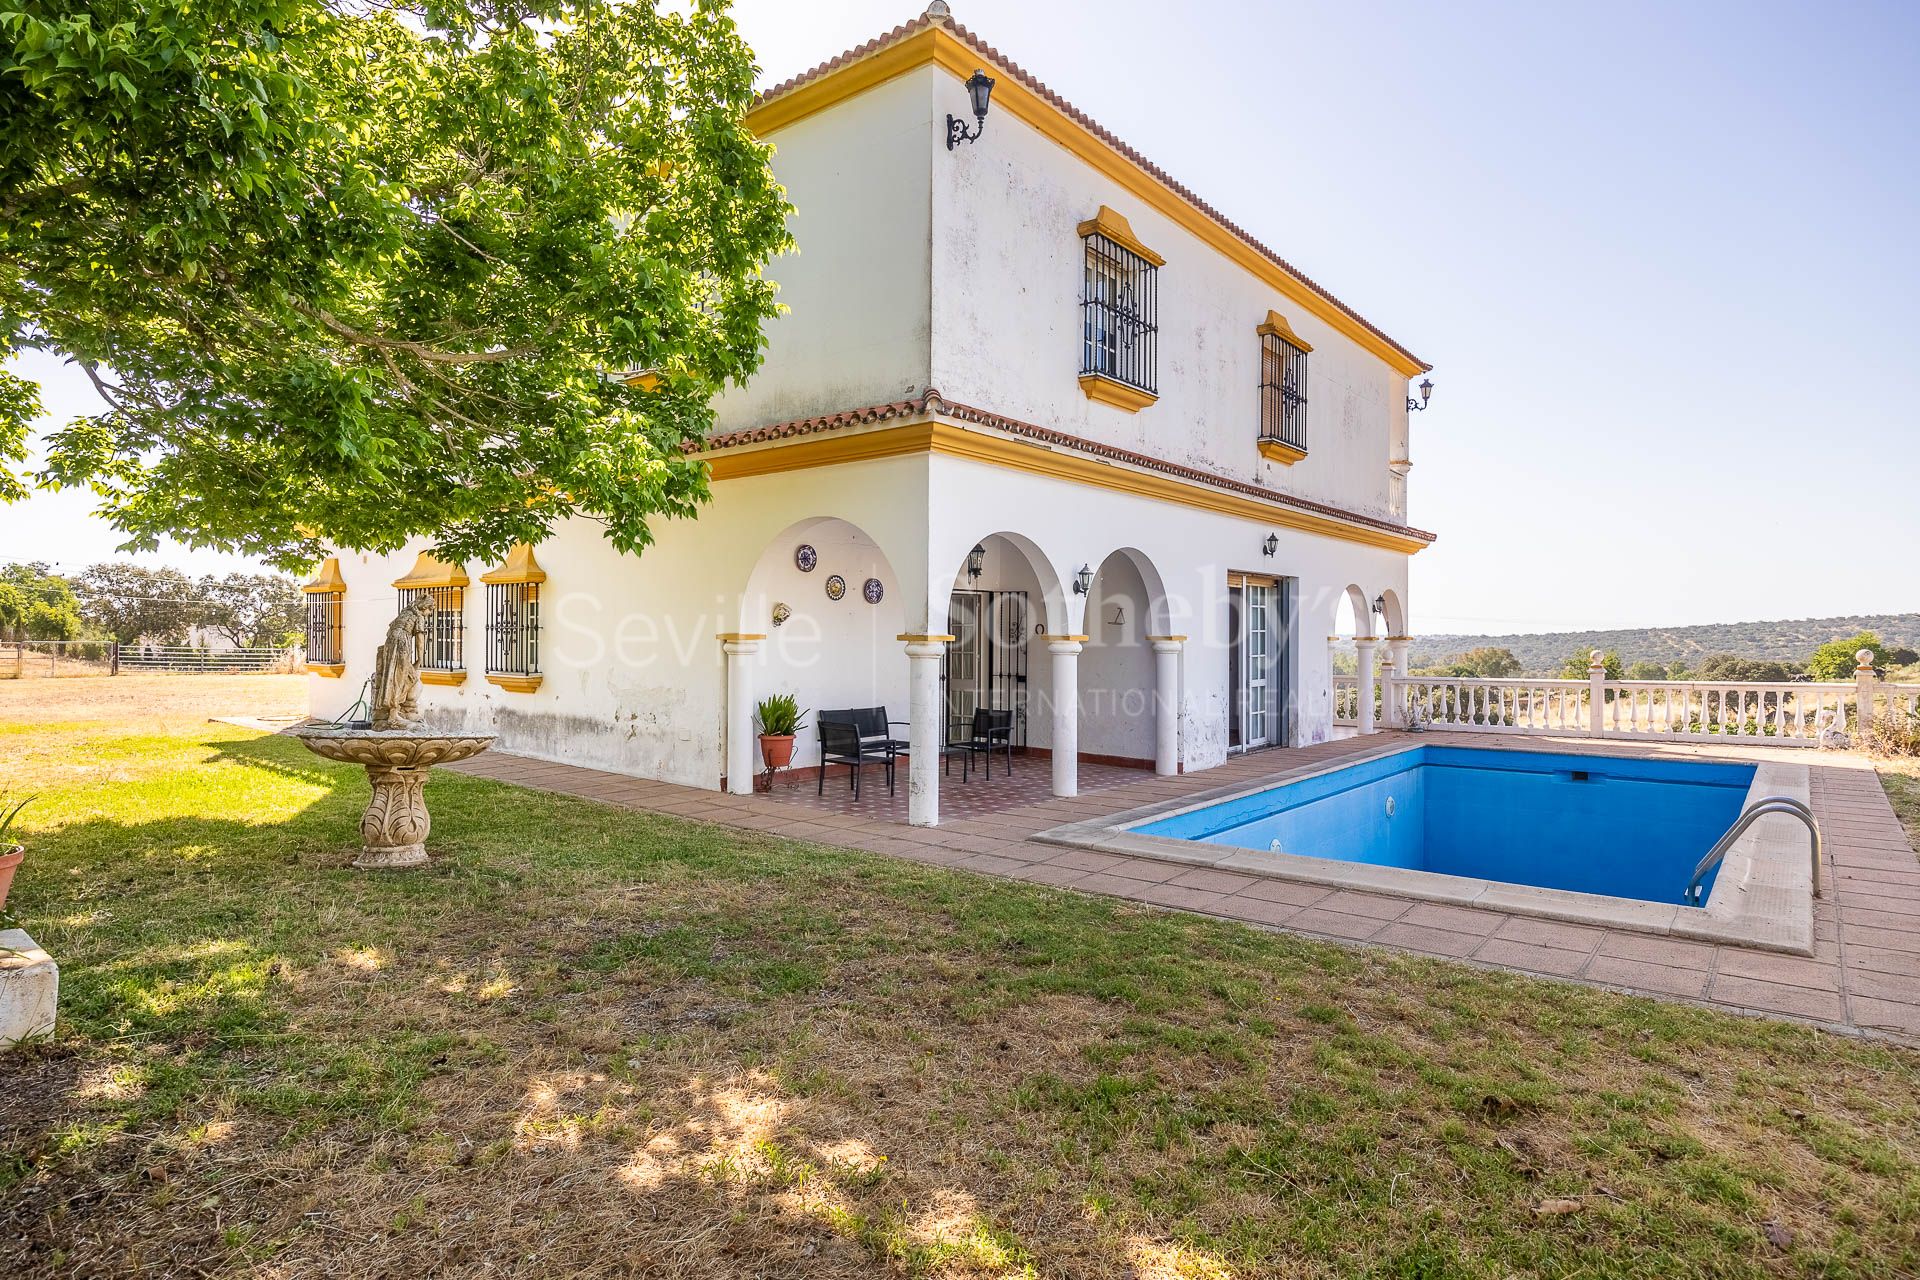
(1864, 976)
(1030, 783)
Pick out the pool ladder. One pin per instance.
(1748, 816)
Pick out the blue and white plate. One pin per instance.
(805, 558)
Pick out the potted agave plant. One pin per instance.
(779, 717)
(11, 854)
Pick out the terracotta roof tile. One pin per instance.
(1039, 88)
(934, 404)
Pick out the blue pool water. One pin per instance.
(1593, 824)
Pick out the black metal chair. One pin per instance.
(876, 729)
(991, 731)
(842, 743)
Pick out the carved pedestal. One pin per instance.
(394, 828)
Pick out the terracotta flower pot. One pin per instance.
(776, 749)
(10, 856)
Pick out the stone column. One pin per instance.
(1596, 694)
(1396, 701)
(924, 733)
(740, 649)
(1364, 715)
(1066, 713)
(1166, 704)
(1863, 693)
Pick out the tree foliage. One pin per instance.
(1836, 660)
(1733, 667)
(346, 275)
(252, 609)
(1577, 666)
(37, 604)
(131, 602)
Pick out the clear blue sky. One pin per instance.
(1663, 258)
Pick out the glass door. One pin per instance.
(1253, 643)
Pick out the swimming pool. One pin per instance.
(1599, 839)
(1589, 824)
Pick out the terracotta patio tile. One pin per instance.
(1644, 975)
(1776, 997)
(1336, 923)
(1891, 1015)
(1674, 953)
(1355, 902)
(1050, 873)
(1173, 895)
(1289, 892)
(1431, 941)
(1904, 964)
(1579, 938)
(1767, 966)
(1514, 954)
(1438, 915)
(1259, 910)
(1213, 881)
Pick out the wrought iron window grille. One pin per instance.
(1120, 311)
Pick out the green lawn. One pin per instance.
(590, 1041)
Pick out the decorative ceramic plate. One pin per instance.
(805, 558)
(836, 587)
(873, 590)
(780, 614)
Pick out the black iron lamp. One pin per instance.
(1083, 580)
(976, 562)
(979, 90)
(1271, 546)
(1380, 605)
(1426, 387)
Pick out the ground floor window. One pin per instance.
(446, 644)
(513, 628)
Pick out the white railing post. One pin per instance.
(1363, 714)
(1863, 690)
(1396, 699)
(1597, 694)
(1383, 677)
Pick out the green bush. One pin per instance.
(1834, 660)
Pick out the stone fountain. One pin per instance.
(396, 752)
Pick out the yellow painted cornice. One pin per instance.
(1019, 455)
(1281, 452)
(1275, 325)
(930, 638)
(443, 677)
(520, 566)
(327, 579)
(514, 684)
(1120, 395)
(941, 48)
(1117, 229)
(429, 571)
(1066, 639)
(736, 637)
(331, 670)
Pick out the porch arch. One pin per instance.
(1128, 695)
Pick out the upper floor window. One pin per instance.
(444, 660)
(1283, 390)
(1119, 314)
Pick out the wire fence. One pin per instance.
(52, 659)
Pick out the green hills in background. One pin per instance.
(1791, 641)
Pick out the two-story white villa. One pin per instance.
(1041, 431)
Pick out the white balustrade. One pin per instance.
(1773, 713)
(1346, 702)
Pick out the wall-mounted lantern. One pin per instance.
(1426, 393)
(1083, 580)
(976, 562)
(1271, 546)
(1380, 605)
(979, 90)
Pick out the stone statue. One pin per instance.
(396, 666)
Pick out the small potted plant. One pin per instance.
(779, 718)
(11, 854)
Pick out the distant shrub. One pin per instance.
(1736, 669)
(1895, 734)
(1835, 659)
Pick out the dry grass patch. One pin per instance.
(593, 1042)
(150, 700)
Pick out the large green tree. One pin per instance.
(347, 273)
(1837, 660)
(132, 602)
(37, 604)
(251, 609)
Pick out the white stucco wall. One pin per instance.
(1008, 275)
(856, 330)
